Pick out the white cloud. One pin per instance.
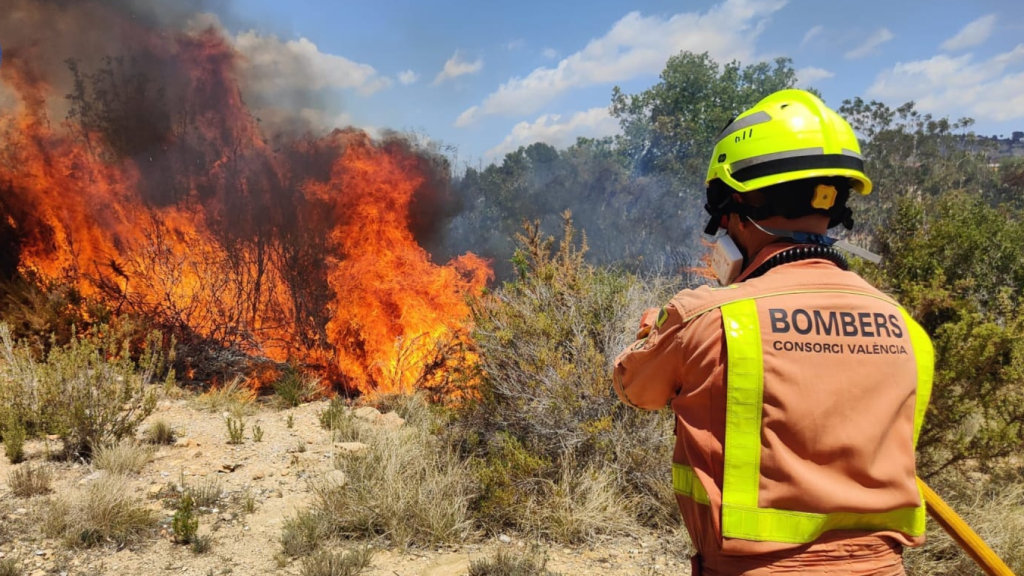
(972, 34)
(812, 34)
(805, 76)
(881, 36)
(273, 65)
(456, 66)
(549, 53)
(408, 77)
(991, 89)
(551, 129)
(635, 46)
(517, 44)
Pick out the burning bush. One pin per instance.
(161, 196)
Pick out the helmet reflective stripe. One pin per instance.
(742, 516)
(743, 123)
(790, 162)
(741, 164)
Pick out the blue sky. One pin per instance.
(489, 76)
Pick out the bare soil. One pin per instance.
(276, 472)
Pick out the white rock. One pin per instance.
(504, 539)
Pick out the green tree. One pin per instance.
(957, 264)
(913, 154)
(671, 126)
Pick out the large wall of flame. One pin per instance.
(153, 187)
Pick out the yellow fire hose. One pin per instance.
(967, 538)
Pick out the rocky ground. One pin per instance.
(274, 474)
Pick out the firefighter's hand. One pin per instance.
(647, 321)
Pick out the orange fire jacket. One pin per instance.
(837, 417)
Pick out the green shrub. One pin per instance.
(185, 523)
(93, 391)
(14, 441)
(547, 341)
(329, 563)
(257, 432)
(957, 265)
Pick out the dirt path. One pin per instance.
(275, 472)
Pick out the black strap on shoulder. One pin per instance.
(798, 253)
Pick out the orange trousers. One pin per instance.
(856, 557)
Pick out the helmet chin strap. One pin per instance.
(819, 239)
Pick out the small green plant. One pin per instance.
(185, 523)
(14, 441)
(338, 418)
(248, 501)
(125, 457)
(330, 563)
(257, 432)
(201, 544)
(159, 432)
(27, 480)
(291, 387)
(290, 421)
(236, 429)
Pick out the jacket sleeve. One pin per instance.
(647, 374)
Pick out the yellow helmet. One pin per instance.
(788, 135)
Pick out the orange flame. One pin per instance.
(302, 252)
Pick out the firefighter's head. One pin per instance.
(790, 161)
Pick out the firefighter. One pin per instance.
(798, 388)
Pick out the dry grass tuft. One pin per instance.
(408, 486)
(10, 567)
(305, 533)
(125, 457)
(28, 480)
(504, 563)
(328, 563)
(159, 432)
(995, 512)
(106, 510)
(234, 397)
(582, 505)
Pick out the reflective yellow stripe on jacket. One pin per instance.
(741, 516)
